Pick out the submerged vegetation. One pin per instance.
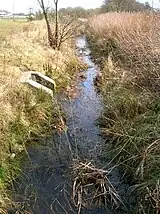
(127, 47)
(26, 113)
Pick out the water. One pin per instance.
(45, 185)
(86, 108)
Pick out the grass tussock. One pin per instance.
(129, 55)
(26, 113)
(132, 40)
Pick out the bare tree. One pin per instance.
(63, 32)
(49, 30)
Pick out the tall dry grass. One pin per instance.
(133, 40)
(127, 46)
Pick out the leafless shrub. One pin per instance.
(66, 30)
(62, 32)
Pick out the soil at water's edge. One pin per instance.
(45, 184)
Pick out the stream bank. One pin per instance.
(45, 185)
(130, 88)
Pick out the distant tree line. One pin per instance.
(124, 5)
(77, 12)
(108, 6)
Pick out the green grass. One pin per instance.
(133, 125)
(36, 115)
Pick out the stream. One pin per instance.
(45, 186)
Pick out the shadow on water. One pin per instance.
(45, 185)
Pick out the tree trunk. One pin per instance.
(50, 35)
(56, 25)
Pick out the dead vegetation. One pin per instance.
(92, 188)
(132, 40)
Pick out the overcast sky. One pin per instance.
(23, 5)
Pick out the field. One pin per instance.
(127, 48)
(24, 112)
(10, 27)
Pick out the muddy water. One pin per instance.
(45, 184)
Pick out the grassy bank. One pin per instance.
(26, 113)
(127, 47)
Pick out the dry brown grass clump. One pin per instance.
(132, 39)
